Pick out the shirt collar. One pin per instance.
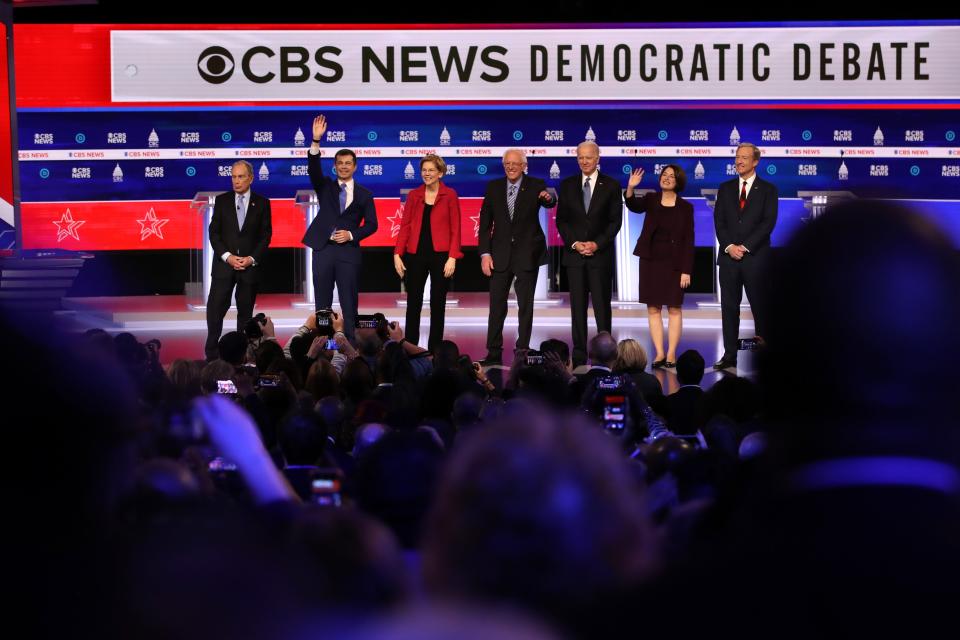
(593, 178)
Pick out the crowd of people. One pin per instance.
(382, 490)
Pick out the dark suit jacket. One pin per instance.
(518, 244)
(676, 220)
(227, 236)
(685, 410)
(750, 227)
(599, 225)
(444, 222)
(361, 209)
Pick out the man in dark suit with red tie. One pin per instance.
(588, 218)
(345, 216)
(512, 246)
(744, 217)
(240, 232)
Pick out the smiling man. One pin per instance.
(512, 246)
(345, 216)
(744, 217)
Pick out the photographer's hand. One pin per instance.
(237, 438)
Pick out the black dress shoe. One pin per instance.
(669, 364)
(725, 363)
(658, 364)
(490, 361)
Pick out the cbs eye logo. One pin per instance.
(215, 65)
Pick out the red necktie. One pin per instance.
(743, 195)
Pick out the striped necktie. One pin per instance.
(511, 199)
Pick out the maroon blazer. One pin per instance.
(444, 222)
(676, 221)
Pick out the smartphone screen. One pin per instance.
(610, 382)
(325, 489)
(365, 321)
(268, 380)
(226, 387)
(614, 412)
(324, 322)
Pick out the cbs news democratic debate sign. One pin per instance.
(722, 63)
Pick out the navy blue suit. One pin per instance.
(333, 262)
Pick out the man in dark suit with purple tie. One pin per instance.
(346, 215)
(240, 231)
(744, 217)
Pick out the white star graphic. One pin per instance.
(67, 226)
(476, 225)
(395, 220)
(151, 225)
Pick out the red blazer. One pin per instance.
(444, 222)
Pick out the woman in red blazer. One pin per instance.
(429, 238)
(665, 249)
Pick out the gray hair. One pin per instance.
(520, 152)
(246, 164)
(750, 145)
(591, 143)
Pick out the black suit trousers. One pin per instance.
(735, 276)
(218, 302)
(597, 281)
(526, 285)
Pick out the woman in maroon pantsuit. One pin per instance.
(665, 249)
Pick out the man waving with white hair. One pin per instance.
(512, 246)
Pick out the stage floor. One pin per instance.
(182, 330)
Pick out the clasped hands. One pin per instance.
(238, 263)
(737, 251)
(585, 248)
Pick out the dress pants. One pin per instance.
(525, 286)
(218, 302)
(735, 276)
(419, 265)
(328, 269)
(597, 280)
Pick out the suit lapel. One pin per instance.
(251, 209)
(755, 195)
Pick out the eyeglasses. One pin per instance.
(513, 164)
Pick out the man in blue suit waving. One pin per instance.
(346, 216)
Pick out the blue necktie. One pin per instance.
(586, 196)
(511, 199)
(343, 197)
(241, 211)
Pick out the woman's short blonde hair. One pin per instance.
(437, 162)
(630, 355)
